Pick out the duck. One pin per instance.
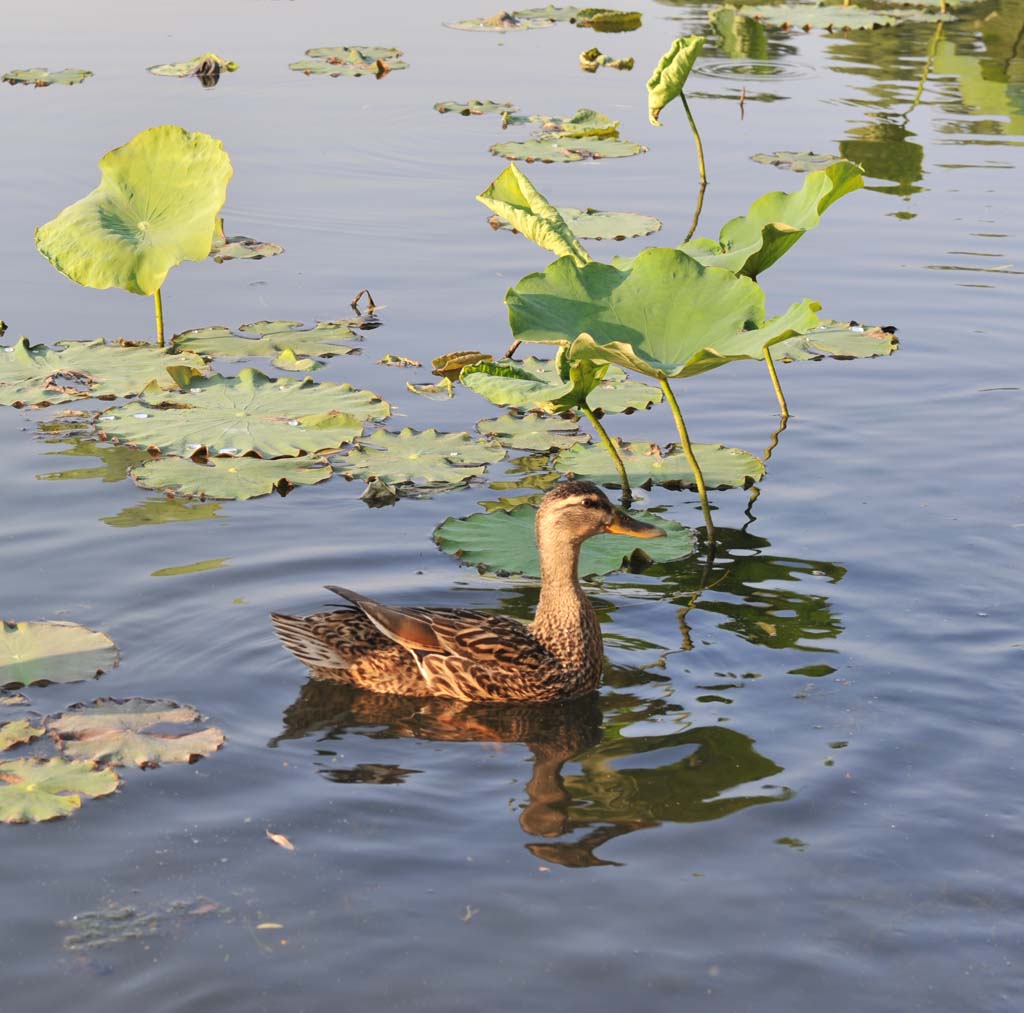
(475, 656)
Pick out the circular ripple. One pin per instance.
(755, 70)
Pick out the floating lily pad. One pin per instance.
(798, 161)
(670, 74)
(163, 511)
(604, 19)
(533, 432)
(133, 732)
(40, 77)
(614, 391)
(230, 477)
(156, 205)
(503, 21)
(509, 503)
(837, 341)
(351, 61)
(504, 543)
(207, 67)
(648, 464)
(426, 458)
(592, 60)
(226, 248)
(582, 123)
(245, 414)
(474, 107)
(589, 223)
(32, 791)
(40, 375)
(398, 361)
(275, 336)
(185, 569)
(442, 391)
(16, 733)
(566, 149)
(45, 652)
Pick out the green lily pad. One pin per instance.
(753, 242)
(604, 19)
(163, 511)
(670, 74)
(32, 791)
(351, 61)
(45, 652)
(230, 477)
(39, 375)
(533, 432)
(426, 458)
(186, 569)
(837, 341)
(503, 21)
(589, 223)
(275, 337)
(798, 161)
(206, 66)
(614, 391)
(647, 463)
(504, 543)
(17, 733)
(241, 248)
(133, 732)
(665, 316)
(474, 107)
(592, 60)
(245, 414)
(582, 123)
(566, 149)
(156, 205)
(40, 77)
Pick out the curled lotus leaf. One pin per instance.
(611, 392)
(32, 791)
(798, 161)
(350, 61)
(230, 477)
(133, 732)
(442, 391)
(17, 733)
(451, 364)
(205, 66)
(670, 74)
(533, 432)
(504, 543)
(837, 341)
(566, 149)
(424, 459)
(503, 21)
(398, 361)
(753, 242)
(647, 464)
(604, 19)
(40, 77)
(582, 123)
(245, 414)
(592, 60)
(274, 337)
(664, 316)
(40, 375)
(474, 107)
(156, 205)
(45, 652)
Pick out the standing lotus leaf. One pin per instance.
(133, 732)
(32, 791)
(45, 652)
(670, 74)
(230, 477)
(533, 432)
(156, 205)
(40, 77)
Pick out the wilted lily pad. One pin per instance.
(533, 432)
(798, 161)
(245, 414)
(46, 652)
(504, 543)
(133, 732)
(722, 467)
(16, 733)
(207, 66)
(275, 337)
(592, 60)
(566, 149)
(474, 107)
(582, 123)
(226, 247)
(230, 477)
(351, 61)
(40, 77)
(426, 458)
(32, 791)
(452, 363)
(503, 21)
(670, 74)
(442, 391)
(837, 341)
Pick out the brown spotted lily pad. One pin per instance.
(32, 791)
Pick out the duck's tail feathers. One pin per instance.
(343, 592)
(297, 634)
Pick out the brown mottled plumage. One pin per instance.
(474, 656)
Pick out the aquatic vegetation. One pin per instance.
(503, 21)
(847, 16)
(603, 19)
(157, 204)
(18, 733)
(833, 340)
(582, 123)
(272, 339)
(38, 653)
(739, 37)
(162, 510)
(350, 61)
(236, 478)
(40, 77)
(533, 431)
(554, 148)
(240, 247)
(592, 60)
(670, 73)
(474, 107)
(450, 364)
(798, 161)
(208, 68)
(32, 791)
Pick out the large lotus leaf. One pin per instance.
(604, 19)
(505, 544)
(133, 732)
(666, 315)
(156, 205)
(32, 791)
(566, 149)
(514, 198)
(722, 467)
(275, 337)
(230, 477)
(474, 107)
(39, 375)
(16, 733)
(533, 432)
(426, 458)
(40, 77)
(52, 652)
(837, 341)
(798, 161)
(670, 74)
(246, 414)
(207, 65)
(503, 21)
(753, 242)
(351, 61)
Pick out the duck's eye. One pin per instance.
(593, 504)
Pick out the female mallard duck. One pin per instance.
(473, 655)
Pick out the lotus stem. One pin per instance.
(609, 445)
(769, 362)
(932, 46)
(696, 137)
(158, 306)
(691, 459)
(696, 212)
(773, 442)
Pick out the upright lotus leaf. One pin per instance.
(230, 477)
(753, 242)
(837, 341)
(504, 543)
(46, 652)
(517, 200)
(670, 74)
(474, 107)
(205, 66)
(245, 414)
(351, 61)
(156, 205)
(32, 791)
(40, 77)
(566, 149)
(275, 337)
(665, 316)
(539, 433)
(17, 733)
(133, 732)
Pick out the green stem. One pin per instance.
(158, 305)
(696, 212)
(691, 459)
(775, 382)
(696, 137)
(609, 445)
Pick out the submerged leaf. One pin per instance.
(474, 107)
(670, 74)
(32, 791)
(230, 477)
(40, 77)
(45, 652)
(798, 161)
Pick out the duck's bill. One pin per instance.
(623, 524)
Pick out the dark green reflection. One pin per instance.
(114, 460)
(884, 150)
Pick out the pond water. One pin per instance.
(799, 785)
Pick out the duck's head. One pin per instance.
(574, 511)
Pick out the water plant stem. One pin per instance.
(696, 212)
(769, 362)
(609, 445)
(158, 305)
(691, 459)
(696, 137)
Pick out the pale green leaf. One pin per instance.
(474, 107)
(566, 149)
(351, 61)
(837, 341)
(503, 21)
(17, 733)
(32, 791)
(46, 652)
(40, 77)
(670, 74)
(230, 477)
(533, 432)
(798, 161)
(206, 66)
(275, 337)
